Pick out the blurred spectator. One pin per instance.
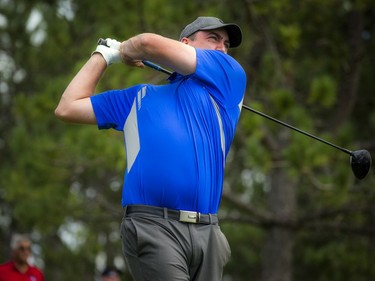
(19, 268)
(110, 274)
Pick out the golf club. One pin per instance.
(360, 160)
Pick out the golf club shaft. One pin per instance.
(156, 67)
(296, 129)
(161, 69)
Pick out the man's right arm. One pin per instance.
(75, 104)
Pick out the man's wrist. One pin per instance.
(98, 57)
(110, 55)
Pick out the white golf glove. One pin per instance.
(109, 49)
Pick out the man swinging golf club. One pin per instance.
(177, 137)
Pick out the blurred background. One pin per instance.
(291, 209)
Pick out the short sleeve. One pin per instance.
(111, 108)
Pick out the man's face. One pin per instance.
(216, 39)
(22, 252)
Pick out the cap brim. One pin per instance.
(233, 30)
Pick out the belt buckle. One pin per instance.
(190, 217)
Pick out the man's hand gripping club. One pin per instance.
(109, 49)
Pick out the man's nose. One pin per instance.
(221, 46)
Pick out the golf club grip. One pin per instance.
(102, 41)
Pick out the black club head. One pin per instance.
(360, 160)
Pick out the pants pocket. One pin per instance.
(129, 238)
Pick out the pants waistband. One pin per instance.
(179, 215)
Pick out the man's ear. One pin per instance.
(185, 40)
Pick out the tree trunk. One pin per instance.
(278, 246)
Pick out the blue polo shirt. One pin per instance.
(177, 136)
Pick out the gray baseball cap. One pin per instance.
(209, 23)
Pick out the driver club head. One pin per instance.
(360, 160)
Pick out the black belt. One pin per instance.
(179, 215)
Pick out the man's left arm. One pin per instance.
(165, 51)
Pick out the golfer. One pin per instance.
(177, 137)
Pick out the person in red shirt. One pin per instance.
(18, 268)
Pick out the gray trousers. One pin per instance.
(163, 249)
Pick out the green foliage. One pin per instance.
(323, 257)
(282, 100)
(323, 91)
(245, 251)
(290, 35)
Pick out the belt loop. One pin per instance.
(125, 209)
(210, 218)
(165, 213)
